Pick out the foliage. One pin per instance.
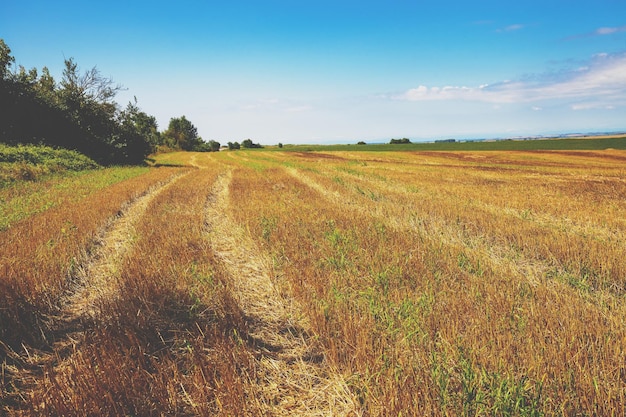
(182, 134)
(77, 113)
(29, 162)
(137, 134)
(399, 141)
(248, 144)
(45, 155)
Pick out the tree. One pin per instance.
(248, 144)
(6, 59)
(46, 86)
(182, 134)
(136, 135)
(214, 146)
(77, 113)
(30, 109)
(399, 141)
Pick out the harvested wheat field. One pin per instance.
(267, 283)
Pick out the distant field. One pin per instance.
(409, 280)
(591, 143)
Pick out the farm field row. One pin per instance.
(321, 283)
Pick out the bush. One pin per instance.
(399, 141)
(29, 162)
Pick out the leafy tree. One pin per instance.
(6, 59)
(136, 135)
(87, 100)
(214, 146)
(79, 113)
(248, 144)
(399, 141)
(146, 125)
(30, 111)
(182, 134)
(46, 86)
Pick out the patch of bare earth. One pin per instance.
(293, 377)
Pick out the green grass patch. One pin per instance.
(26, 198)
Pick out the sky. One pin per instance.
(343, 71)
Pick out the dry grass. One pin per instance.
(159, 345)
(268, 283)
(39, 253)
(462, 283)
(293, 377)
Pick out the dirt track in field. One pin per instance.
(293, 375)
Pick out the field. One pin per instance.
(380, 283)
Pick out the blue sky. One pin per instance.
(342, 71)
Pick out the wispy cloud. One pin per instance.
(511, 28)
(602, 80)
(603, 31)
(610, 31)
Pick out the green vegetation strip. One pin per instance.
(26, 198)
(578, 144)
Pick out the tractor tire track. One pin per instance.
(293, 378)
(96, 277)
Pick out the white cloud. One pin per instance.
(603, 80)
(603, 31)
(609, 31)
(591, 106)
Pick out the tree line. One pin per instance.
(79, 112)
